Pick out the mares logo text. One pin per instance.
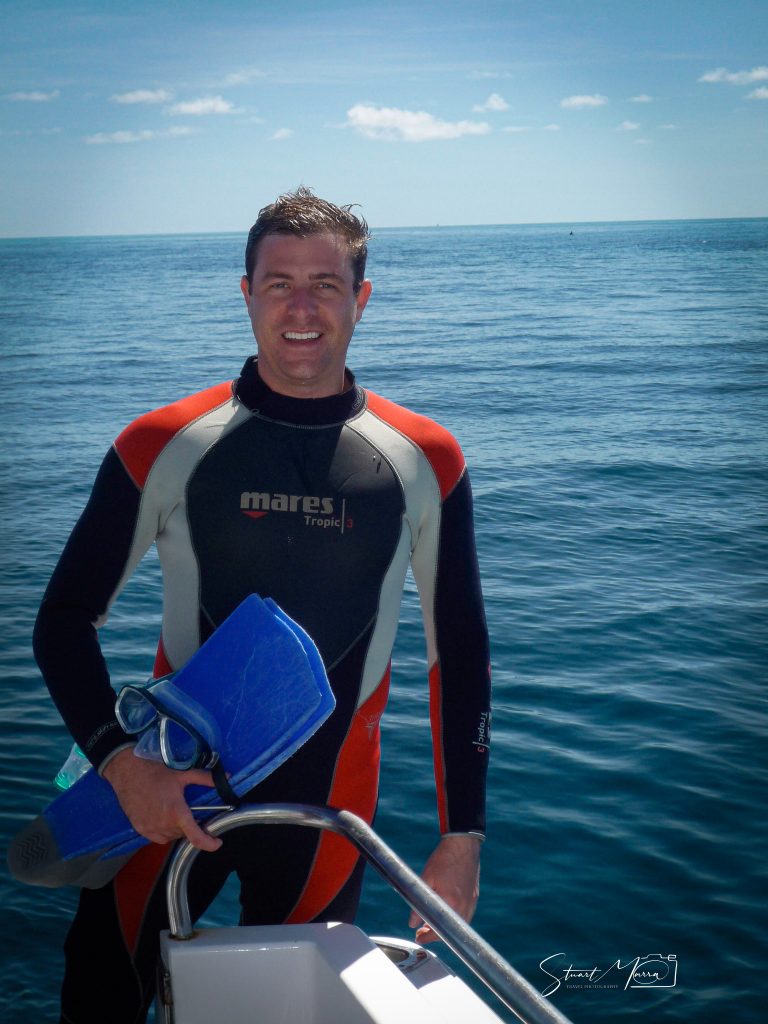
(316, 511)
(263, 501)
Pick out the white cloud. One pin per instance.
(642, 142)
(145, 135)
(529, 128)
(627, 126)
(494, 102)
(391, 124)
(736, 77)
(28, 132)
(577, 102)
(34, 97)
(143, 96)
(642, 98)
(668, 127)
(282, 133)
(204, 105)
(100, 138)
(759, 94)
(489, 74)
(243, 77)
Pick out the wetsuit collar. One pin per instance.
(259, 397)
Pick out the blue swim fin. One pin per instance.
(260, 677)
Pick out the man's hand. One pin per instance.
(152, 797)
(453, 871)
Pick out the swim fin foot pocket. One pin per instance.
(34, 857)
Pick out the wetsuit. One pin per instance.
(320, 504)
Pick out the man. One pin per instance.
(294, 483)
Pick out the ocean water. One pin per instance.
(607, 383)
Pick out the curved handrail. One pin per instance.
(499, 976)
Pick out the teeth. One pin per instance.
(301, 335)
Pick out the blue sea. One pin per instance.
(608, 385)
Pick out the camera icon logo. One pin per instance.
(655, 971)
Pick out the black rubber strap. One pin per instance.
(223, 788)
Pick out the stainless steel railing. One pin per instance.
(499, 976)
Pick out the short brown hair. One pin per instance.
(302, 213)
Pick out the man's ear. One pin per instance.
(362, 298)
(245, 288)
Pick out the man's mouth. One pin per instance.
(301, 335)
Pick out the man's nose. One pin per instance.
(302, 302)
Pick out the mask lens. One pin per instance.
(133, 711)
(180, 748)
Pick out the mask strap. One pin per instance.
(223, 788)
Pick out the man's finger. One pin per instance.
(197, 777)
(197, 836)
(425, 935)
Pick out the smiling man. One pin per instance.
(295, 483)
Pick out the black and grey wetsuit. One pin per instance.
(320, 504)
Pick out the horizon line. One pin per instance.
(400, 227)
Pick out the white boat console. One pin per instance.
(329, 973)
(309, 974)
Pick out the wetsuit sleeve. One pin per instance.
(81, 590)
(459, 675)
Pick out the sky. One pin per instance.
(166, 117)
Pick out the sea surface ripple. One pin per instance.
(607, 383)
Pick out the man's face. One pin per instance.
(303, 311)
